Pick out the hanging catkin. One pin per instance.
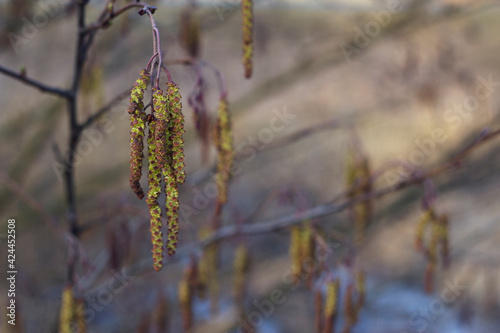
(67, 310)
(137, 128)
(154, 181)
(224, 143)
(247, 23)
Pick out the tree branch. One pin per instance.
(33, 83)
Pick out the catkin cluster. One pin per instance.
(165, 147)
(247, 23)
(72, 314)
(358, 180)
(435, 228)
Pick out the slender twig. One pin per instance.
(40, 86)
(99, 113)
(108, 16)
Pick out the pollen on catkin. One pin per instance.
(154, 181)
(137, 129)
(225, 150)
(67, 310)
(247, 24)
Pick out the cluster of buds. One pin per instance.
(165, 158)
(359, 183)
(301, 251)
(437, 237)
(247, 24)
(72, 314)
(225, 150)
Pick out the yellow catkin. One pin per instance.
(67, 310)
(247, 24)
(438, 240)
(360, 287)
(185, 303)
(154, 181)
(420, 229)
(137, 131)
(241, 266)
(207, 271)
(358, 181)
(79, 316)
(331, 304)
(295, 253)
(225, 150)
(307, 252)
(186, 290)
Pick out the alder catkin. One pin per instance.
(241, 266)
(331, 304)
(247, 24)
(224, 143)
(137, 129)
(67, 310)
(79, 316)
(176, 131)
(162, 127)
(154, 181)
(295, 251)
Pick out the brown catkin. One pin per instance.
(154, 180)
(67, 310)
(247, 24)
(137, 129)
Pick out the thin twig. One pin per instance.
(99, 113)
(40, 86)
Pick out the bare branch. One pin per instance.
(40, 86)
